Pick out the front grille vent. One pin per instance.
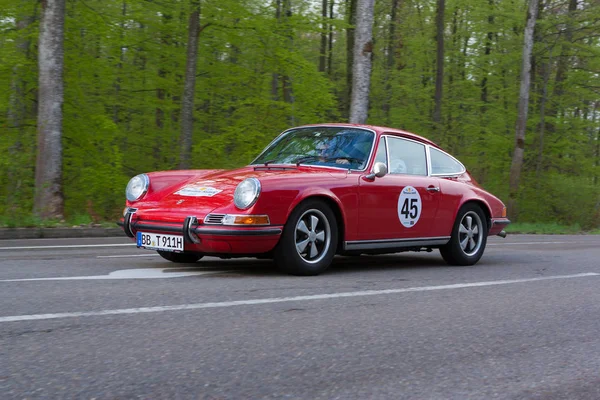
(214, 219)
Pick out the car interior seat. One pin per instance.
(398, 166)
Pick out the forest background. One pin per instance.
(264, 66)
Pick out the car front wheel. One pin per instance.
(309, 240)
(469, 237)
(184, 258)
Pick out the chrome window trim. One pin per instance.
(428, 154)
(464, 169)
(425, 145)
(368, 161)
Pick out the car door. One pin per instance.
(402, 204)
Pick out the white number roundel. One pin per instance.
(409, 206)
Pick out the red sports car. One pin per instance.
(314, 192)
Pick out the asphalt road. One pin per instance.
(98, 318)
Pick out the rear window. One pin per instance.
(444, 164)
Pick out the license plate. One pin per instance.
(157, 241)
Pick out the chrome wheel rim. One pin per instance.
(470, 233)
(312, 236)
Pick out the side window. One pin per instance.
(381, 155)
(443, 164)
(407, 157)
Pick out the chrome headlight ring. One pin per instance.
(246, 193)
(137, 187)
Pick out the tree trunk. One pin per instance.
(18, 109)
(189, 88)
(48, 202)
(323, 51)
(361, 71)
(288, 92)
(487, 52)
(275, 75)
(597, 156)
(350, 31)
(330, 39)
(390, 61)
(561, 71)
(439, 74)
(163, 92)
(118, 73)
(517, 160)
(542, 125)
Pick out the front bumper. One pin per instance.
(209, 238)
(498, 225)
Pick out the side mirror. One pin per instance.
(379, 170)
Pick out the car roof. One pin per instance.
(380, 130)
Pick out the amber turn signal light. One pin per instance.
(246, 220)
(252, 220)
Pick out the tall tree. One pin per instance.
(363, 52)
(350, 38)
(288, 92)
(19, 108)
(330, 38)
(439, 74)
(48, 172)
(561, 68)
(324, 32)
(189, 90)
(275, 75)
(517, 160)
(392, 54)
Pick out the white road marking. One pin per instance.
(198, 306)
(524, 243)
(75, 246)
(138, 273)
(67, 246)
(131, 255)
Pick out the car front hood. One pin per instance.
(200, 192)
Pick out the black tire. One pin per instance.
(184, 258)
(309, 240)
(469, 237)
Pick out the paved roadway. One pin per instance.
(98, 318)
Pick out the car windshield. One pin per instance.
(342, 147)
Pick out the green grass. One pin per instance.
(29, 221)
(551, 228)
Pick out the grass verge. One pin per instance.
(29, 221)
(548, 229)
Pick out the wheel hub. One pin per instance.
(470, 231)
(312, 236)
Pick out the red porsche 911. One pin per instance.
(314, 192)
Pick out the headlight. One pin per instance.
(246, 193)
(137, 187)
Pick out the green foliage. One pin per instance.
(257, 75)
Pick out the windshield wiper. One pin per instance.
(308, 158)
(321, 159)
(331, 159)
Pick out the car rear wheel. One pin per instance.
(184, 258)
(469, 237)
(309, 240)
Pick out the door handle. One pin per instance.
(433, 188)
